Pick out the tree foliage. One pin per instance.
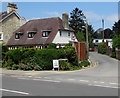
(116, 28)
(77, 20)
(80, 36)
(116, 41)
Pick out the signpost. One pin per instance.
(56, 64)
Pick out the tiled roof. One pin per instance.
(38, 25)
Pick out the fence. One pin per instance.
(81, 51)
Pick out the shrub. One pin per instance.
(84, 63)
(102, 48)
(37, 68)
(52, 46)
(15, 67)
(25, 67)
(8, 64)
(71, 56)
(64, 65)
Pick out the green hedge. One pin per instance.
(32, 59)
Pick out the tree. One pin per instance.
(108, 33)
(116, 38)
(116, 41)
(116, 28)
(91, 33)
(77, 20)
(80, 36)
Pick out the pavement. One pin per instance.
(97, 80)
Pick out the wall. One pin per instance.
(63, 39)
(9, 25)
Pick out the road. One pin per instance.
(101, 80)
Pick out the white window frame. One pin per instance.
(1, 36)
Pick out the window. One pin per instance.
(0, 36)
(68, 33)
(31, 34)
(45, 34)
(96, 40)
(17, 36)
(60, 33)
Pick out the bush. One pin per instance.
(71, 56)
(8, 64)
(31, 59)
(37, 68)
(64, 65)
(52, 46)
(25, 67)
(15, 67)
(102, 48)
(84, 63)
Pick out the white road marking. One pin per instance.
(102, 82)
(114, 83)
(47, 77)
(84, 80)
(24, 78)
(40, 80)
(71, 79)
(95, 81)
(51, 81)
(105, 86)
(29, 76)
(38, 77)
(24, 93)
(98, 82)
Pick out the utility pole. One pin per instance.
(103, 28)
(87, 38)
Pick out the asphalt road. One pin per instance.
(101, 80)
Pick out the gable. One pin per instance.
(9, 15)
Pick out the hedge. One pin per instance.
(32, 59)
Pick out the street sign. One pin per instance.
(55, 64)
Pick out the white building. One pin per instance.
(97, 41)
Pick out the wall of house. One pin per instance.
(9, 25)
(101, 40)
(64, 38)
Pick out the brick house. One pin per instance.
(10, 21)
(39, 33)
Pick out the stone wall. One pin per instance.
(9, 25)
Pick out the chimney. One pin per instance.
(65, 20)
(11, 7)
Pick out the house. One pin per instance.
(10, 21)
(98, 41)
(39, 33)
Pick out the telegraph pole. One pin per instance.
(103, 28)
(87, 38)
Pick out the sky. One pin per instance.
(94, 11)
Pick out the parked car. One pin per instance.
(91, 49)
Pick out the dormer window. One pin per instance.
(18, 35)
(45, 33)
(1, 36)
(31, 34)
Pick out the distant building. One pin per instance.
(98, 41)
(10, 21)
(40, 32)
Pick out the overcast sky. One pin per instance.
(94, 11)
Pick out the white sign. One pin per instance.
(55, 63)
